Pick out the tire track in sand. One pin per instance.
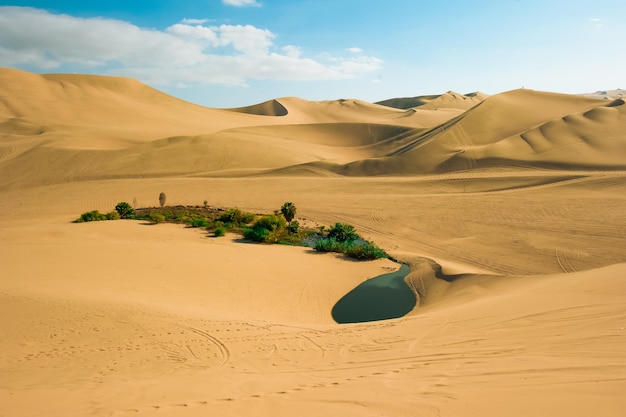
(225, 353)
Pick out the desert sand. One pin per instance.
(509, 209)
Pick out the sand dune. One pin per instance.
(268, 108)
(509, 212)
(448, 100)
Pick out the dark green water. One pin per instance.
(380, 298)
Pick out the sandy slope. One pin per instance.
(518, 258)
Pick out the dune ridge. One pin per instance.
(509, 210)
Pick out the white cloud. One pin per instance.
(194, 21)
(355, 50)
(186, 53)
(597, 22)
(241, 3)
(292, 51)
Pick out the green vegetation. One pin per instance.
(125, 210)
(91, 216)
(199, 222)
(156, 217)
(342, 238)
(279, 227)
(288, 211)
(267, 229)
(113, 215)
(343, 233)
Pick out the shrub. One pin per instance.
(91, 216)
(236, 217)
(271, 222)
(330, 245)
(199, 222)
(113, 215)
(220, 231)
(367, 250)
(268, 229)
(289, 211)
(293, 227)
(125, 210)
(362, 251)
(343, 232)
(156, 217)
(257, 234)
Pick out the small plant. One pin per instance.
(219, 231)
(365, 251)
(206, 204)
(162, 198)
(113, 215)
(293, 227)
(91, 216)
(257, 234)
(268, 229)
(236, 217)
(199, 222)
(343, 232)
(156, 217)
(288, 210)
(125, 210)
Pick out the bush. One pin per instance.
(257, 234)
(343, 232)
(330, 245)
(113, 215)
(268, 229)
(220, 231)
(125, 210)
(236, 217)
(365, 251)
(91, 216)
(271, 222)
(199, 222)
(156, 217)
(293, 227)
(362, 251)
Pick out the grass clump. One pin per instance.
(342, 238)
(113, 215)
(219, 231)
(267, 229)
(199, 222)
(91, 216)
(156, 217)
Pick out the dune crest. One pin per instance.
(267, 108)
(448, 100)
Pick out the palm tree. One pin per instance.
(289, 211)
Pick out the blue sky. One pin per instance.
(227, 53)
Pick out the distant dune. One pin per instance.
(608, 94)
(449, 100)
(98, 127)
(508, 210)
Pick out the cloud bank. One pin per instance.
(184, 54)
